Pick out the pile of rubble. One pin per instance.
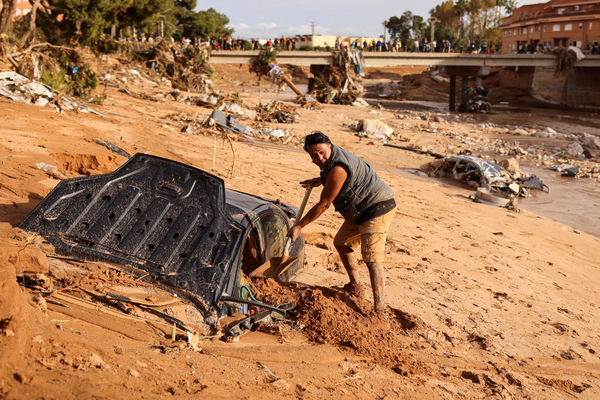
(275, 111)
(477, 100)
(20, 88)
(186, 67)
(335, 83)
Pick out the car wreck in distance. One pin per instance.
(173, 222)
(494, 184)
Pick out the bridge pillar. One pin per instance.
(465, 72)
(452, 103)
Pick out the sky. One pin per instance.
(268, 19)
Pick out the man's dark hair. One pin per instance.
(315, 138)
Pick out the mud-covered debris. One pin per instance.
(276, 111)
(308, 102)
(373, 129)
(20, 88)
(435, 75)
(51, 170)
(261, 63)
(477, 100)
(206, 100)
(338, 83)
(186, 68)
(112, 147)
(390, 90)
(237, 109)
(227, 122)
(360, 102)
(494, 184)
(274, 133)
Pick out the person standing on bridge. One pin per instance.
(366, 203)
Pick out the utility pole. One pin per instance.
(384, 23)
(432, 22)
(312, 34)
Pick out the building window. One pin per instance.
(26, 11)
(580, 26)
(544, 27)
(18, 12)
(531, 29)
(560, 11)
(525, 30)
(576, 7)
(568, 27)
(556, 28)
(590, 28)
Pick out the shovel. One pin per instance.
(274, 269)
(288, 243)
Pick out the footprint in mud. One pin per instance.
(480, 341)
(501, 296)
(563, 329)
(586, 346)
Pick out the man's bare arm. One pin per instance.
(335, 180)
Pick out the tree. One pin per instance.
(400, 28)
(509, 6)
(6, 15)
(418, 26)
(204, 24)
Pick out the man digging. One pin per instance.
(366, 203)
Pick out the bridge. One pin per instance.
(388, 59)
(582, 83)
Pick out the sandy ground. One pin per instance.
(483, 302)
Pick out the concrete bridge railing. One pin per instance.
(378, 59)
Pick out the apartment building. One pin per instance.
(23, 8)
(555, 23)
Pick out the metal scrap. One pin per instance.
(494, 184)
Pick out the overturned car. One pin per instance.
(175, 223)
(494, 184)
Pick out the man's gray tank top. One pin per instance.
(362, 188)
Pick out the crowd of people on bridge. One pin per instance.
(380, 45)
(371, 45)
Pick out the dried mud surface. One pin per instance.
(482, 302)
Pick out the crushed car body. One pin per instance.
(173, 222)
(494, 184)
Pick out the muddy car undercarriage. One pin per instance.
(174, 224)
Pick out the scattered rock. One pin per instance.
(575, 150)
(511, 165)
(281, 384)
(97, 361)
(134, 373)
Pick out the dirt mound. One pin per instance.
(86, 164)
(329, 315)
